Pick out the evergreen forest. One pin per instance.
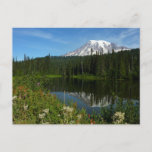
(121, 65)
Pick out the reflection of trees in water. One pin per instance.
(92, 100)
(97, 91)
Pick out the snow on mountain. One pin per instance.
(96, 46)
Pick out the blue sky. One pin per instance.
(39, 42)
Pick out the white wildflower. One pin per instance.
(71, 122)
(68, 109)
(66, 115)
(64, 107)
(118, 118)
(41, 116)
(46, 111)
(79, 116)
(65, 121)
(25, 107)
(14, 97)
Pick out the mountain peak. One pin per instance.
(96, 46)
(98, 41)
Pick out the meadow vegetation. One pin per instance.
(34, 104)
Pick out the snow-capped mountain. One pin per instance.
(96, 47)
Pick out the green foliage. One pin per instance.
(121, 65)
(34, 104)
(130, 110)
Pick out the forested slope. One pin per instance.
(121, 65)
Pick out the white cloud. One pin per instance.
(59, 40)
(36, 33)
(41, 34)
(129, 37)
(128, 33)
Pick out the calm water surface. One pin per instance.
(93, 94)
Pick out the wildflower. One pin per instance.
(41, 116)
(66, 121)
(59, 115)
(65, 115)
(14, 97)
(118, 118)
(89, 115)
(68, 109)
(91, 121)
(79, 116)
(25, 107)
(21, 87)
(46, 111)
(20, 97)
(24, 96)
(38, 84)
(71, 122)
(64, 107)
(77, 121)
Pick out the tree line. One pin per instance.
(121, 65)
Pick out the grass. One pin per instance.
(33, 104)
(92, 77)
(88, 77)
(83, 77)
(54, 76)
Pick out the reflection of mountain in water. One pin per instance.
(95, 90)
(91, 100)
(91, 95)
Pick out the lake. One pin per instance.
(93, 94)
